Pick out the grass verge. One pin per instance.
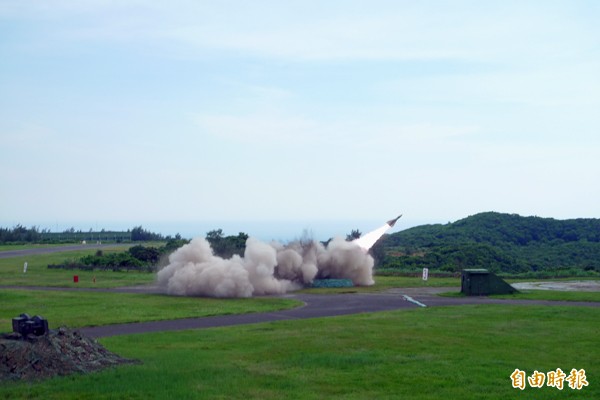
(38, 274)
(383, 283)
(25, 246)
(552, 295)
(78, 308)
(463, 352)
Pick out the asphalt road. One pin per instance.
(322, 306)
(315, 306)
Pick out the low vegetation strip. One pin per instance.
(466, 352)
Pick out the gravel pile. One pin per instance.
(60, 352)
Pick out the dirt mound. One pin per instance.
(60, 352)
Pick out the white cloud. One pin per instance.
(329, 31)
(351, 133)
(471, 104)
(552, 86)
(27, 135)
(387, 30)
(255, 128)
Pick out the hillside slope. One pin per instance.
(500, 242)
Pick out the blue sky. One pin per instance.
(326, 116)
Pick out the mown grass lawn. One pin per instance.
(25, 246)
(383, 283)
(465, 352)
(38, 274)
(77, 309)
(551, 295)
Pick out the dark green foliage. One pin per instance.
(505, 243)
(139, 234)
(173, 244)
(378, 251)
(226, 246)
(145, 254)
(454, 258)
(137, 258)
(19, 233)
(501, 230)
(114, 261)
(355, 234)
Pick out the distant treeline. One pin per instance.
(504, 243)
(22, 234)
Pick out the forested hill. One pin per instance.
(500, 242)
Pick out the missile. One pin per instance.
(367, 241)
(392, 222)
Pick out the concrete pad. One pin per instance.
(563, 286)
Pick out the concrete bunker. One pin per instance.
(481, 282)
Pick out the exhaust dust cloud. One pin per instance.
(265, 268)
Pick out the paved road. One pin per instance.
(315, 305)
(58, 249)
(323, 306)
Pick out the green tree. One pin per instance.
(355, 234)
(226, 246)
(140, 234)
(148, 255)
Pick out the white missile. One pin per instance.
(367, 241)
(392, 222)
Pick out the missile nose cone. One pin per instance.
(392, 222)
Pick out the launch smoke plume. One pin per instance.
(274, 268)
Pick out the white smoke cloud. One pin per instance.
(344, 259)
(273, 268)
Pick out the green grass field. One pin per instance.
(551, 295)
(464, 352)
(38, 274)
(24, 246)
(383, 283)
(539, 295)
(78, 309)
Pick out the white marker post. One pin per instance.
(425, 273)
(25, 267)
